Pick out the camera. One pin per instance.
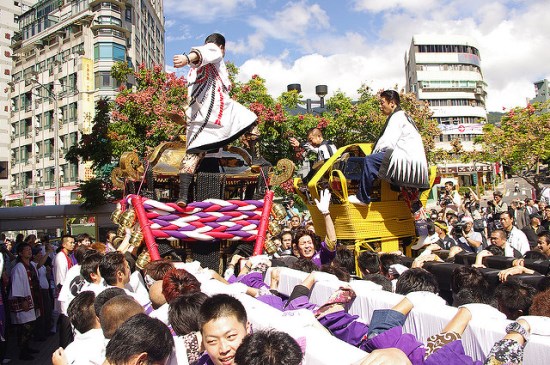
(458, 229)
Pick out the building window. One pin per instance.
(109, 51)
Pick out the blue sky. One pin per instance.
(346, 43)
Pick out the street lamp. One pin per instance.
(320, 90)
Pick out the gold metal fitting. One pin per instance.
(127, 219)
(278, 211)
(143, 259)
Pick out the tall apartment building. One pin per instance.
(445, 71)
(62, 56)
(9, 16)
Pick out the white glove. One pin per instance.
(425, 298)
(481, 311)
(539, 325)
(323, 204)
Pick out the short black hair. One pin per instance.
(534, 255)
(81, 311)
(391, 95)
(215, 38)
(386, 260)
(183, 313)
(416, 280)
(495, 250)
(222, 305)
(110, 264)
(305, 265)
(104, 297)
(345, 259)
(380, 280)
(138, 334)
(514, 298)
(468, 277)
(89, 265)
(369, 262)
(269, 347)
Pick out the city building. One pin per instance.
(542, 90)
(9, 16)
(62, 55)
(445, 71)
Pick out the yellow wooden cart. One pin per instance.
(378, 226)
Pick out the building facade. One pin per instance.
(445, 71)
(10, 11)
(63, 52)
(542, 90)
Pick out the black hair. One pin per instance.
(380, 280)
(391, 95)
(269, 347)
(337, 271)
(183, 313)
(138, 334)
(345, 259)
(534, 255)
(89, 265)
(416, 280)
(215, 38)
(543, 284)
(104, 297)
(222, 305)
(514, 298)
(79, 253)
(495, 250)
(81, 237)
(81, 311)
(468, 277)
(305, 265)
(469, 295)
(110, 264)
(386, 260)
(369, 262)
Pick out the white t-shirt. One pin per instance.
(518, 240)
(87, 348)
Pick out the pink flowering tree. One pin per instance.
(521, 141)
(142, 116)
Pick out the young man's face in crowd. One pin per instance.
(221, 337)
(295, 222)
(506, 221)
(286, 241)
(315, 139)
(306, 248)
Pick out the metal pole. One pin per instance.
(56, 147)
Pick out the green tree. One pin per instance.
(96, 147)
(521, 141)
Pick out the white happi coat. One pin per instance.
(213, 118)
(20, 287)
(404, 163)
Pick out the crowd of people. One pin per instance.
(104, 308)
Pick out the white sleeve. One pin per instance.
(209, 53)
(392, 133)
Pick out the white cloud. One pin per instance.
(344, 72)
(291, 24)
(205, 11)
(378, 6)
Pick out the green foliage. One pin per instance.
(521, 141)
(96, 146)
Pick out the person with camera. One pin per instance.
(450, 199)
(468, 239)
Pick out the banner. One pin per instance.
(474, 128)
